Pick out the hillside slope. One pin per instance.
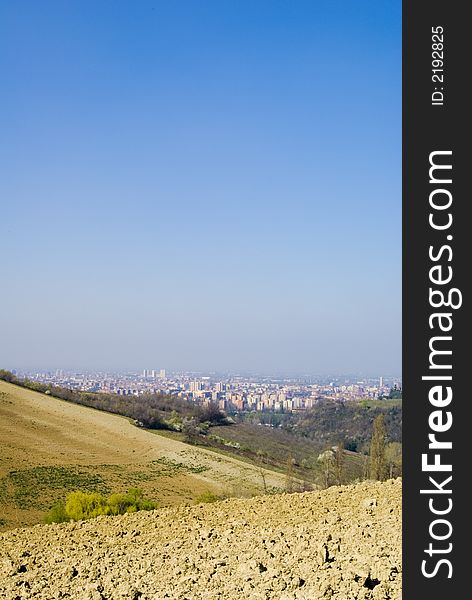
(342, 543)
(49, 447)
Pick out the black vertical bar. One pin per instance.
(436, 118)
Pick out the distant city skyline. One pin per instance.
(233, 393)
(205, 374)
(201, 186)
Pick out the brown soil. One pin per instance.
(343, 543)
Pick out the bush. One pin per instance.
(207, 498)
(80, 506)
(118, 504)
(57, 514)
(7, 376)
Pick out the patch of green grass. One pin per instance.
(27, 488)
(197, 469)
(207, 498)
(175, 466)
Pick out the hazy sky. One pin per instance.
(201, 185)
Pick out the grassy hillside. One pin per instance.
(49, 447)
(273, 447)
(264, 439)
(303, 436)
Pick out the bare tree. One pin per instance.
(365, 467)
(378, 466)
(190, 431)
(393, 457)
(289, 480)
(327, 460)
(306, 485)
(261, 459)
(339, 463)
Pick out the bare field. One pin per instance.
(342, 543)
(49, 447)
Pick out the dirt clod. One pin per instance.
(279, 547)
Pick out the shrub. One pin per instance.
(57, 514)
(133, 501)
(207, 498)
(80, 506)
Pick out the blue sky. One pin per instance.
(201, 185)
